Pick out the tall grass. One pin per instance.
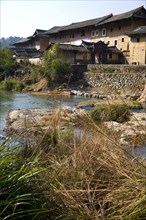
(86, 178)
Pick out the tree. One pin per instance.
(56, 70)
(7, 63)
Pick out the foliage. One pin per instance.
(11, 85)
(86, 179)
(110, 112)
(56, 70)
(21, 196)
(7, 63)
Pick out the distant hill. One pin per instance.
(6, 42)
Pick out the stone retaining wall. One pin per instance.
(116, 76)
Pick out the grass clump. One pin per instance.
(88, 178)
(110, 112)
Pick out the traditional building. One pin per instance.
(118, 38)
(38, 41)
(137, 52)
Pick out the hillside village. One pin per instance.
(111, 39)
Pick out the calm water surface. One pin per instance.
(9, 101)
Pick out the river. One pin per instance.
(12, 101)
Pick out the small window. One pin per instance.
(93, 33)
(119, 28)
(115, 42)
(104, 32)
(82, 32)
(137, 40)
(73, 35)
(110, 56)
(97, 32)
(111, 30)
(108, 42)
(122, 39)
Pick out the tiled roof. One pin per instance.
(140, 30)
(86, 23)
(122, 16)
(28, 52)
(72, 47)
(24, 40)
(53, 30)
(114, 49)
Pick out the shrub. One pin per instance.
(11, 85)
(7, 63)
(56, 70)
(110, 112)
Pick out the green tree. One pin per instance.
(56, 70)
(7, 63)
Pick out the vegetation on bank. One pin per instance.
(110, 112)
(7, 64)
(12, 85)
(67, 177)
(53, 69)
(87, 177)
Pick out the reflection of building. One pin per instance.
(116, 39)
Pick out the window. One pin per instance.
(82, 32)
(119, 28)
(110, 56)
(73, 35)
(93, 33)
(122, 39)
(115, 42)
(97, 32)
(108, 42)
(111, 30)
(104, 32)
(137, 40)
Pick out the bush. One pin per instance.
(11, 85)
(56, 70)
(110, 112)
(7, 63)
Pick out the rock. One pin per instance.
(143, 95)
(133, 130)
(19, 121)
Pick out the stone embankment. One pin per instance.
(120, 77)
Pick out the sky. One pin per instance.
(22, 17)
